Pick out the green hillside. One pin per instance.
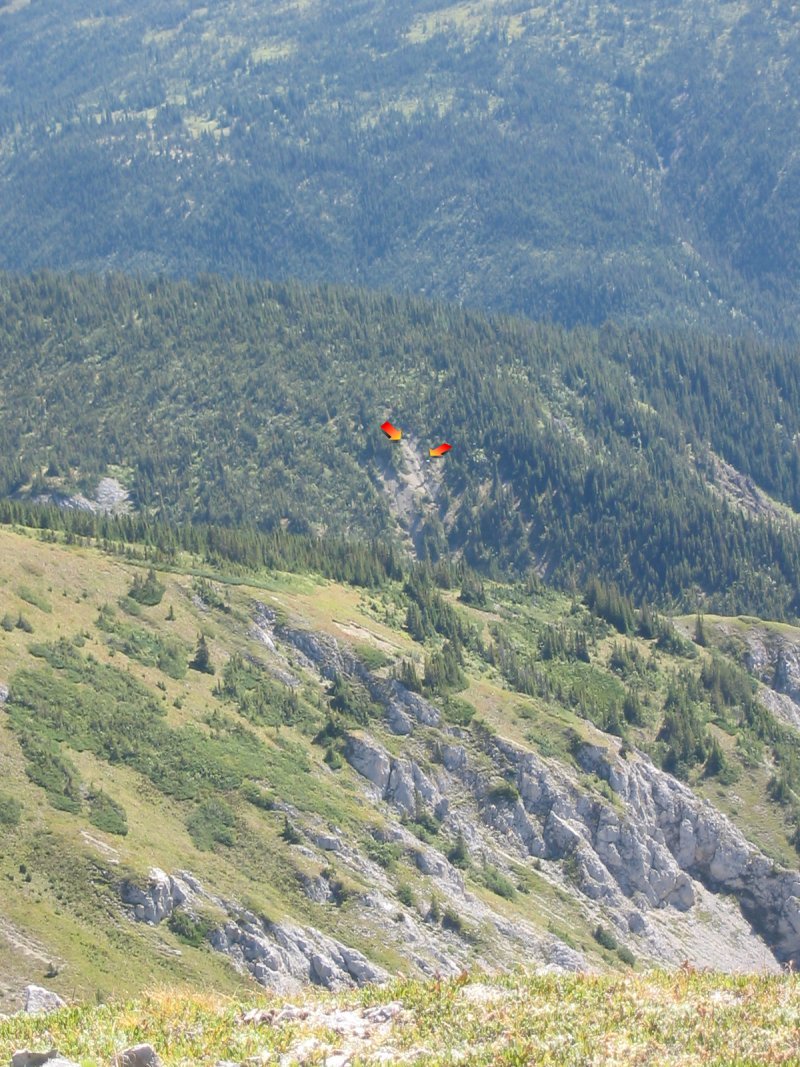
(124, 749)
(574, 160)
(665, 463)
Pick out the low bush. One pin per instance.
(10, 810)
(190, 929)
(106, 814)
(212, 823)
(504, 793)
(604, 937)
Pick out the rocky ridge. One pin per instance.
(654, 848)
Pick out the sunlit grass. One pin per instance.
(685, 1017)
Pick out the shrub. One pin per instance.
(210, 596)
(384, 853)
(405, 894)
(451, 920)
(190, 929)
(106, 814)
(289, 834)
(604, 937)
(147, 591)
(56, 775)
(36, 599)
(457, 711)
(372, 658)
(458, 854)
(257, 797)
(626, 955)
(10, 810)
(435, 910)
(7, 623)
(211, 823)
(23, 624)
(504, 793)
(498, 883)
(129, 606)
(202, 658)
(333, 758)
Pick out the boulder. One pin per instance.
(39, 1001)
(137, 1056)
(53, 1058)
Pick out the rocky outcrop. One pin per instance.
(400, 781)
(159, 896)
(652, 846)
(280, 956)
(774, 658)
(137, 1056)
(401, 707)
(702, 842)
(53, 1058)
(110, 498)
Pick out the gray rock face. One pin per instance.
(280, 956)
(369, 760)
(4, 694)
(774, 658)
(699, 841)
(158, 898)
(400, 781)
(655, 848)
(110, 498)
(39, 1001)
(283, 957)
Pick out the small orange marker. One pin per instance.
(391, 431)
(440, 451)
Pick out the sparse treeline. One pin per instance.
(365, 564)
(250, 413)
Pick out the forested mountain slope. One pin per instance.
(579, 454)
(570, 159)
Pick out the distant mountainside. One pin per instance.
(571, 159)
(667, 464)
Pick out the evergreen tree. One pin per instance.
(202, 658)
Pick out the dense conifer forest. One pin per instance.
(573, 160)
(255, 408)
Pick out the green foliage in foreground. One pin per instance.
(655, 1018)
